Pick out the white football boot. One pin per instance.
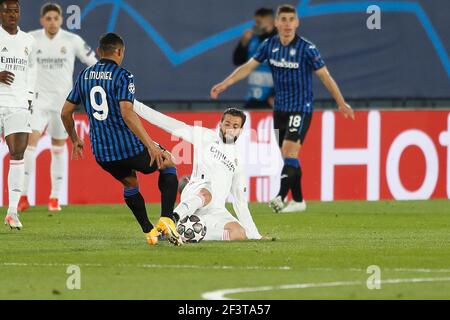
(12, 220)
(294, 206)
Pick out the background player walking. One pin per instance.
(120, 143)
(56, 51)
(293, 60)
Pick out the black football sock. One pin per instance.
(136, 203)
(290, 171)
(168, 186)
(297, 192)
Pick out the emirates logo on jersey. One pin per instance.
(63, 50)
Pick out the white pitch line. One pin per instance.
(221, 294)
(168, 266)
(420, 270)
(146, 266)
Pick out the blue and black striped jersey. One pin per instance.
(101, 88)
(292, 68)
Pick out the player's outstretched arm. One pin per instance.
(134, 123)
(333, 88)
(67, 119)
(239, 74)
(168, 124)
(240, 206)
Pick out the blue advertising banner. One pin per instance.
(178, 49)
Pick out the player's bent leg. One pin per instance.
(192, 202)
(168, 186)
(221, 225)
(136, 203)
(30, 168)
(17, 143)
(233, 231)
(56, 173)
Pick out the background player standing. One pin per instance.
(17, 82)
(56, 51)
(293, 60)
(120, 143)
(260, 82)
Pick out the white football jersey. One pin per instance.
(214, 162)
(56, 60)
(17, 55)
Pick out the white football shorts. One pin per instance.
(42, 119)
(14, 120)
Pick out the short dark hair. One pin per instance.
(286, 8)
(235, 113)
(264, 12)
(110, 42)
(49, 6)
(2, 1)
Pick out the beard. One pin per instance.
(227, 139)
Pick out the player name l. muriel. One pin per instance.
(96, 75)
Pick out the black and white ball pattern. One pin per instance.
(191, 229)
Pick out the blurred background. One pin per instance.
(178, 49)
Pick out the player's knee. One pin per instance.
(130, 182)
(17, 155)
(206, 195)
(169, 162)
(290, 149)
(237, 233)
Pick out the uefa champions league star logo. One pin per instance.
(132, 88)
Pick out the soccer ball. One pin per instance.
(191, 229)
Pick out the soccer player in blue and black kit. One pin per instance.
(120, 143)
(293, 60)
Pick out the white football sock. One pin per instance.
(189, 206)
(15, 183)
(57, 171)
(30, 167)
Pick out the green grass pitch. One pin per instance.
(322, 254)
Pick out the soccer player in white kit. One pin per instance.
(17, 83)
(217, 172)
(56, 51)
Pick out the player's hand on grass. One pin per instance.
(7, 77)
(77, 149)
(347, 111)
(218, 89)
(156, 154)
(267, 238)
